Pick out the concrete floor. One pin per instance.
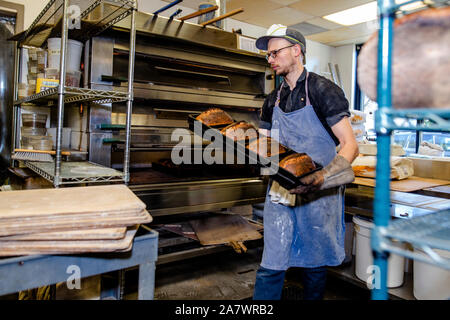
(230, 276)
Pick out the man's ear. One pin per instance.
(298, 50)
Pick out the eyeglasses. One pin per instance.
(274, 53)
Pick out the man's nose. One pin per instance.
(271, 59)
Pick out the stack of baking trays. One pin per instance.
(69, 220)
(284, 165)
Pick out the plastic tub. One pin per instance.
(206, 16)
(431, 282)
(72, 77)
(66, 135)
(34, 120)
(41, 142)
(364, 258)
(73, 59)
(30, 131)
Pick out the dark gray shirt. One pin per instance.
(327, 99)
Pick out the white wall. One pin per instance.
(32, 9)
(345, 58)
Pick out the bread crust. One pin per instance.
(298, 164)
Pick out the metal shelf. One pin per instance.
(80, 20)
(424, 232)
(76, 172)
(95, 17)
(49, 97)
(392, 119)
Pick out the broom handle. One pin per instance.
(52, 152)
(226, 15)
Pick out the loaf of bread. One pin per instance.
(266, 147)
(240, 131)
(215, 117)
(298, 164)
(420, 64)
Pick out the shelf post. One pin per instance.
(61, 90)
(383, 169)
(126, 161)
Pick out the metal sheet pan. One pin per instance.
(282, 176)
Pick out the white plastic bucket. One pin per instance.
(429, 281)
(73, 59)
(364, 258)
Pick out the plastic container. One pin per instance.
(72, 77)
(364, 258)
(206, 16)
(73, 59)
(66, 136)
(34, 120)
(30, 131)
(431, 282)
(41, 142)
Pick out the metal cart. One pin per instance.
(55, 20)
(425, 232)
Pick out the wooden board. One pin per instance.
(407, 185)
(61, 201)
(77, 216)
(85, 234)
(224, 228)
(99, 222)
(9, 248)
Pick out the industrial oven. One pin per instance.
(181, 69)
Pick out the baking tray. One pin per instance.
(286, 179)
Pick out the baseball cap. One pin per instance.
(281, 31)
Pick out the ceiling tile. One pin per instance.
(323, 23)
(255, 12)
(306, 28)
(193, 4)
(357, 31)
(284, 2)
(320, 9)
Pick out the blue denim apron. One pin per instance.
(311, 234)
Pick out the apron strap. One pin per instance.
(308, 103)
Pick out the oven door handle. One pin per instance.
(202, 74)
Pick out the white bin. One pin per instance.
(364, 258)
(73, 58)
(430, 281)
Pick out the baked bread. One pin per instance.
(420, 63)
(240, 131)
(298, 164)
(263, 147)
(215, 117)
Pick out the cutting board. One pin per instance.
(61, 201)
(223, 229)
(86, 234)
(407, 185)
(7, 229)
(8, 248)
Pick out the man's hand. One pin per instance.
(311, 183)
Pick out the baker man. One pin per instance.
(310, 114)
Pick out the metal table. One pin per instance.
(27, 272)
